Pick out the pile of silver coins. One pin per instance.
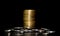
(20, 31)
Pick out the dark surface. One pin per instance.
(11, 14)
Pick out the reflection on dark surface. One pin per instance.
(31, 34)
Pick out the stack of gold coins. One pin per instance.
(28, 18)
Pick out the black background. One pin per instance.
(11, 14)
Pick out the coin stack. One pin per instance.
(28, 28)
